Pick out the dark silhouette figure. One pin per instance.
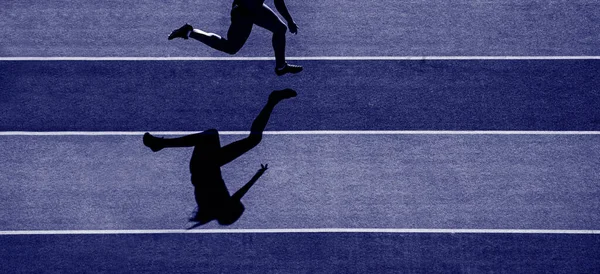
(245, 14)
(210, 191)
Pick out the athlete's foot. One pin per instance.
(152, 142)
(182, 32)
(279, 95)
(287, 68)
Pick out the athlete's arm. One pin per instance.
(282, 9)
(240, 193)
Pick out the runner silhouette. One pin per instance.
(245, 14)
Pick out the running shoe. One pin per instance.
(293, 69)
(181, 32)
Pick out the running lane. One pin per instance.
(333, 95)
(313, 181)
(327, 28)
(302, 253)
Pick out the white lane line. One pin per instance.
(302, 132)
(303, 58)
(299, 230)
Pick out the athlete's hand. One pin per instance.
(263, 168)
(293, 27)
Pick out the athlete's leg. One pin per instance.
(157, 144)
(239, 30)
(231, 151)
(267, 19)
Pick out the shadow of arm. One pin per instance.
(242, 191)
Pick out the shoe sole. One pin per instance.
(286, 72)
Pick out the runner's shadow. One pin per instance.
(211, 194)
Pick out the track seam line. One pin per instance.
(302, 132)
(298, 230)
(300, 58)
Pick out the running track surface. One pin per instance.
(333, 95)
(314, 181)
(558, 96)
(327, 28)
(302, 253)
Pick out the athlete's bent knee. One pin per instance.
(232, 49)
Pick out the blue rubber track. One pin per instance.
(313, 181)
(327, 28)
(333, 95)
(302, 253)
